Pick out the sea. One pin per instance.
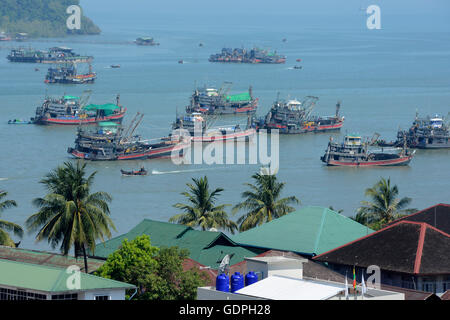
(381, 76)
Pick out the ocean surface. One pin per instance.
(382, 77)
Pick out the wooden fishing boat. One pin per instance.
(140, 172)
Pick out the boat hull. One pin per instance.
(401, 161)
(77, 121)
(319, 128)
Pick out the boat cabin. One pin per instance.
(436, 122)
(352, 140)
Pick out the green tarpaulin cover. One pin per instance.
(71, 97)
(108, 108)
(108, 124)
(239, 97)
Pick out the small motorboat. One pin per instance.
(115, 66)
(141, 172)
(180, 61)
(298, 60)
(19, 121)
(298, 67)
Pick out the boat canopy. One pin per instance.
(108, 124)
(108, 108)
(239, 97)
(71, 98)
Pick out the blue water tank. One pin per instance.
(223, 283)
(250, 278)
(237, 282)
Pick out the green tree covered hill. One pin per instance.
(41, 18)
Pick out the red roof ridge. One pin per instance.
(417, 262)
(383, 229)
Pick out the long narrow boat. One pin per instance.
(68, 110)
(353, 153)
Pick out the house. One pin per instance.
(309, 231)
(27, 281)
(205, 247)
(409, 254)
(282, 278)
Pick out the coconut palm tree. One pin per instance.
(201, 210)
(6, 226)
(262, 202)
(385, 206)
(69, 215)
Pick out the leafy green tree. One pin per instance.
(384, 207)
(69, 214)
(6, 226)
(262, 202)
(156, 272)
(201, 210)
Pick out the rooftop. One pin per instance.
(405, 246)
(205, 247)
(308, 231)
(50, 279)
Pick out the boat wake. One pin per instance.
(155, 172)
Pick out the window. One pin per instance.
(9, 294)
(101, 298)
(70, 296)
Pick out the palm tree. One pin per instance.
(6, 226)
(69, 215)
(201, 210)
(262, 202)
(385, 206)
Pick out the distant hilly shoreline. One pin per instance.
(41, 18)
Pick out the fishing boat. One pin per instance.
(352, 152)
(140, 172)
(240, 55)
(425, 133)
(115, 66)
(297, 67)
(213, 101)
(111, 141)
(146, 41)
(72, 110)
(67, 74)
(295, 117)
(53, 55)
(196, 126)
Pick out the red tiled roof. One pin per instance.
(405, 246)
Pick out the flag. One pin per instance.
(354, 278)
(363, 285)
(346, 287)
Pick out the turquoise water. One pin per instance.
(381, 77)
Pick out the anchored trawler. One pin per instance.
(294, 117)
(67, 73)
(53, 55)
(111, 141)
(354, 153)
(240, 55)
(198, 129)
(72, 110)
(425, 133)
(220, 102)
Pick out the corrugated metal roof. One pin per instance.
(205, 247)
(50, 279)
(310, 230)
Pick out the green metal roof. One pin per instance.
(205, 247)
(50, 279)
(71, 98)
(310, 230)
(239, 97)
